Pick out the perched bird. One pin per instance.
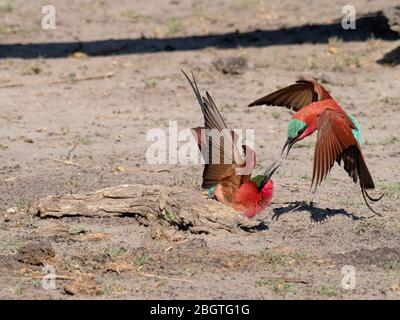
(227, 174)
(338, 133)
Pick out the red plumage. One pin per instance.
(251, 201)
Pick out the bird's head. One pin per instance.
(264, 182)
(296, 132)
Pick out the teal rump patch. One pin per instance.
(356, 132)
(211, 192)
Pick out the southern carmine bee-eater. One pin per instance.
(222, 175)
(338, 133)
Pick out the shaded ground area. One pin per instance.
(374, 23)
(74, 115)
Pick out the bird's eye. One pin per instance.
(301, 132)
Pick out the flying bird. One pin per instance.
(338, 136)
(227, 174)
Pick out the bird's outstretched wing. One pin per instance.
(295, 96)
(336, 142)
(225, 157)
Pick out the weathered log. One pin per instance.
(187, 210)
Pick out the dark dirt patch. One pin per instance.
(385, 258)
(36, 253)
(231, 65)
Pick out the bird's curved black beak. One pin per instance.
(289, 144)
(268, 173)
(270, 170)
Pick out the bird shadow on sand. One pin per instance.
(391, 58)
(262, 226)
(316, 214)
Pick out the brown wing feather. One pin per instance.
(335, 142)
(224, 169)
(295, 96)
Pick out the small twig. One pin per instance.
(294, 280)
(293, 186)
(130, 170)
(72, 149)
(10, 85)
(296, 207)
(282, 202)
(68, 162)
(102, 76)
(59, 277)
(12, 178)
(164, 278)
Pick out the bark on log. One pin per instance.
(187, 210)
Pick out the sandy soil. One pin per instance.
(98, 128)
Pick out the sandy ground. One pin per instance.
(98, 128)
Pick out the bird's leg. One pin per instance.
(312, 203)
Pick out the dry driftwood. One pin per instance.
(184, 209)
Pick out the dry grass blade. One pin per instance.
(68, 162)
(91, 237)
(148, 275)
(10, 85)
(284, 279)
(96, 77)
